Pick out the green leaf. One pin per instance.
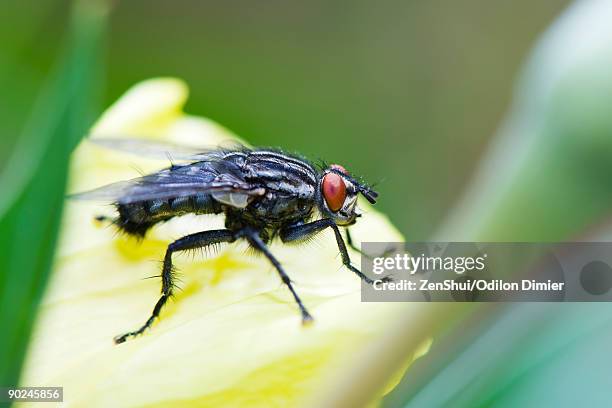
(33, 182)
(516, 355)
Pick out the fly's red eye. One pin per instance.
(334, 191)
(339, 168)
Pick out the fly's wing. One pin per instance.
(163, 150)
(219, 178)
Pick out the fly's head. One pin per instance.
(338, 192)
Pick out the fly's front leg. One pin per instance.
(349, 240)
(256, 241)
(351, 244)
(295, 233)
(193, 241)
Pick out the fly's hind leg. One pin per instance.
(104, 219)
(193, 241)
(256, 241)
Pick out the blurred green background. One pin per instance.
(405, 93)
(480, 120)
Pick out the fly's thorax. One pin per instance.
(275, 208)
(281, 173)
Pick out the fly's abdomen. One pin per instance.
(136, 218)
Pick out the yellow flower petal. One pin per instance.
(232, 336)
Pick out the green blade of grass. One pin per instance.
(33, 182)
(517, 355)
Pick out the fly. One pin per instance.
(264, 194)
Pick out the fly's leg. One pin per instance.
(104, 220)
(349, 241)
(256, 241)
(302, 231)
(351, 244)
(193, 241)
